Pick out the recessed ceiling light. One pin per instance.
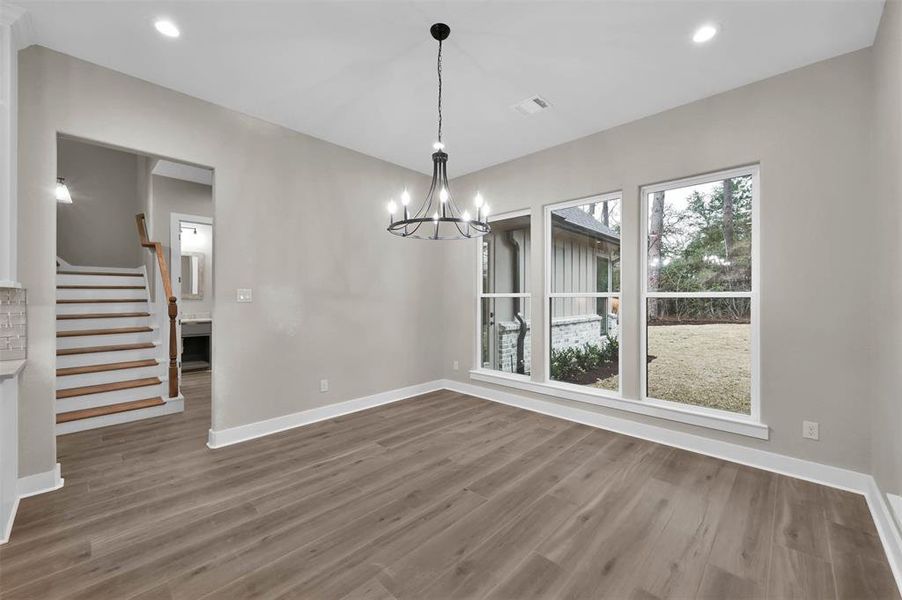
(703, 34)
(167, 28)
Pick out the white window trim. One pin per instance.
(480, 294)
(755, 416)
(746, 425)
(549, 294)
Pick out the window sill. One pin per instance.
(654, 408)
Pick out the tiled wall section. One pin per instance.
(12, 324)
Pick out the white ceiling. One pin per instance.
(362, 74)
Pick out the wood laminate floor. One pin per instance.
(442, 496)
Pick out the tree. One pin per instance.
(655, 240)
(728, 218)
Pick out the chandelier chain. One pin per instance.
(439, 69)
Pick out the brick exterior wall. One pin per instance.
(567, 332)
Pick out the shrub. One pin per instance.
(567, 364)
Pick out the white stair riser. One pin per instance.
(102, 269)
(82, 341)
(64, 294)
(98, 280)
(102, 307)
(97, 358)
(105, 398)
(172, 406)
(71, 381)
(107, 323)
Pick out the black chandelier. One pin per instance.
(439, 218)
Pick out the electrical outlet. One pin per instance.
(245, 295)
(324, 385)
(810, 430)
(456, 365)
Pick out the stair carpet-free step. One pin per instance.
(100, 287)
(100, 273)
(94, 349)
(124, 315)
(108, 409)
(117, 366)
(106, 387)
(101, 300)
(116, 331)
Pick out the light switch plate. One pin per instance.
(245, 295)
(324, 385)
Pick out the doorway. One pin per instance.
(191, 257)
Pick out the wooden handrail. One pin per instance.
(173, 311)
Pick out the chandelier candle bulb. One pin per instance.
(448, 223)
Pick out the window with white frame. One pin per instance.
(504, 299)
(583, 288)
(699, 291)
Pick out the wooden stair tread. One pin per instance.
(100, 273)
(100, 287)
(113, 348)
(117, 366)
(109, 409)
(113, 331)
(99, 300)
(100, 388)
(101, 316)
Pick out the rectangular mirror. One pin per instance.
(192, 276)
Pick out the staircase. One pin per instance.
(111, 363)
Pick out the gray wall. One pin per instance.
(809, 130)
(294, 226)
(887, 351)
(185, 197)
(98, 228)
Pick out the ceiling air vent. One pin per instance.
(531, 106)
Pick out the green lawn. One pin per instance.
(704, 365)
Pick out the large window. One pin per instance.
(699, 291)
(583, 255)
(504, 315)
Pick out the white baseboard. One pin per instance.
(887, 527)
(778, 463)
(895, 504)
(40, 482)
(10, 518)
(243, 433)
(836, 477)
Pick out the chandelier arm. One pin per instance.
(427, 201)
(453, 208)
(457, 224)
(414, 229)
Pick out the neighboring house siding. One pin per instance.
(575, 321)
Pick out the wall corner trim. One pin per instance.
(243, 433)
(40, 483)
